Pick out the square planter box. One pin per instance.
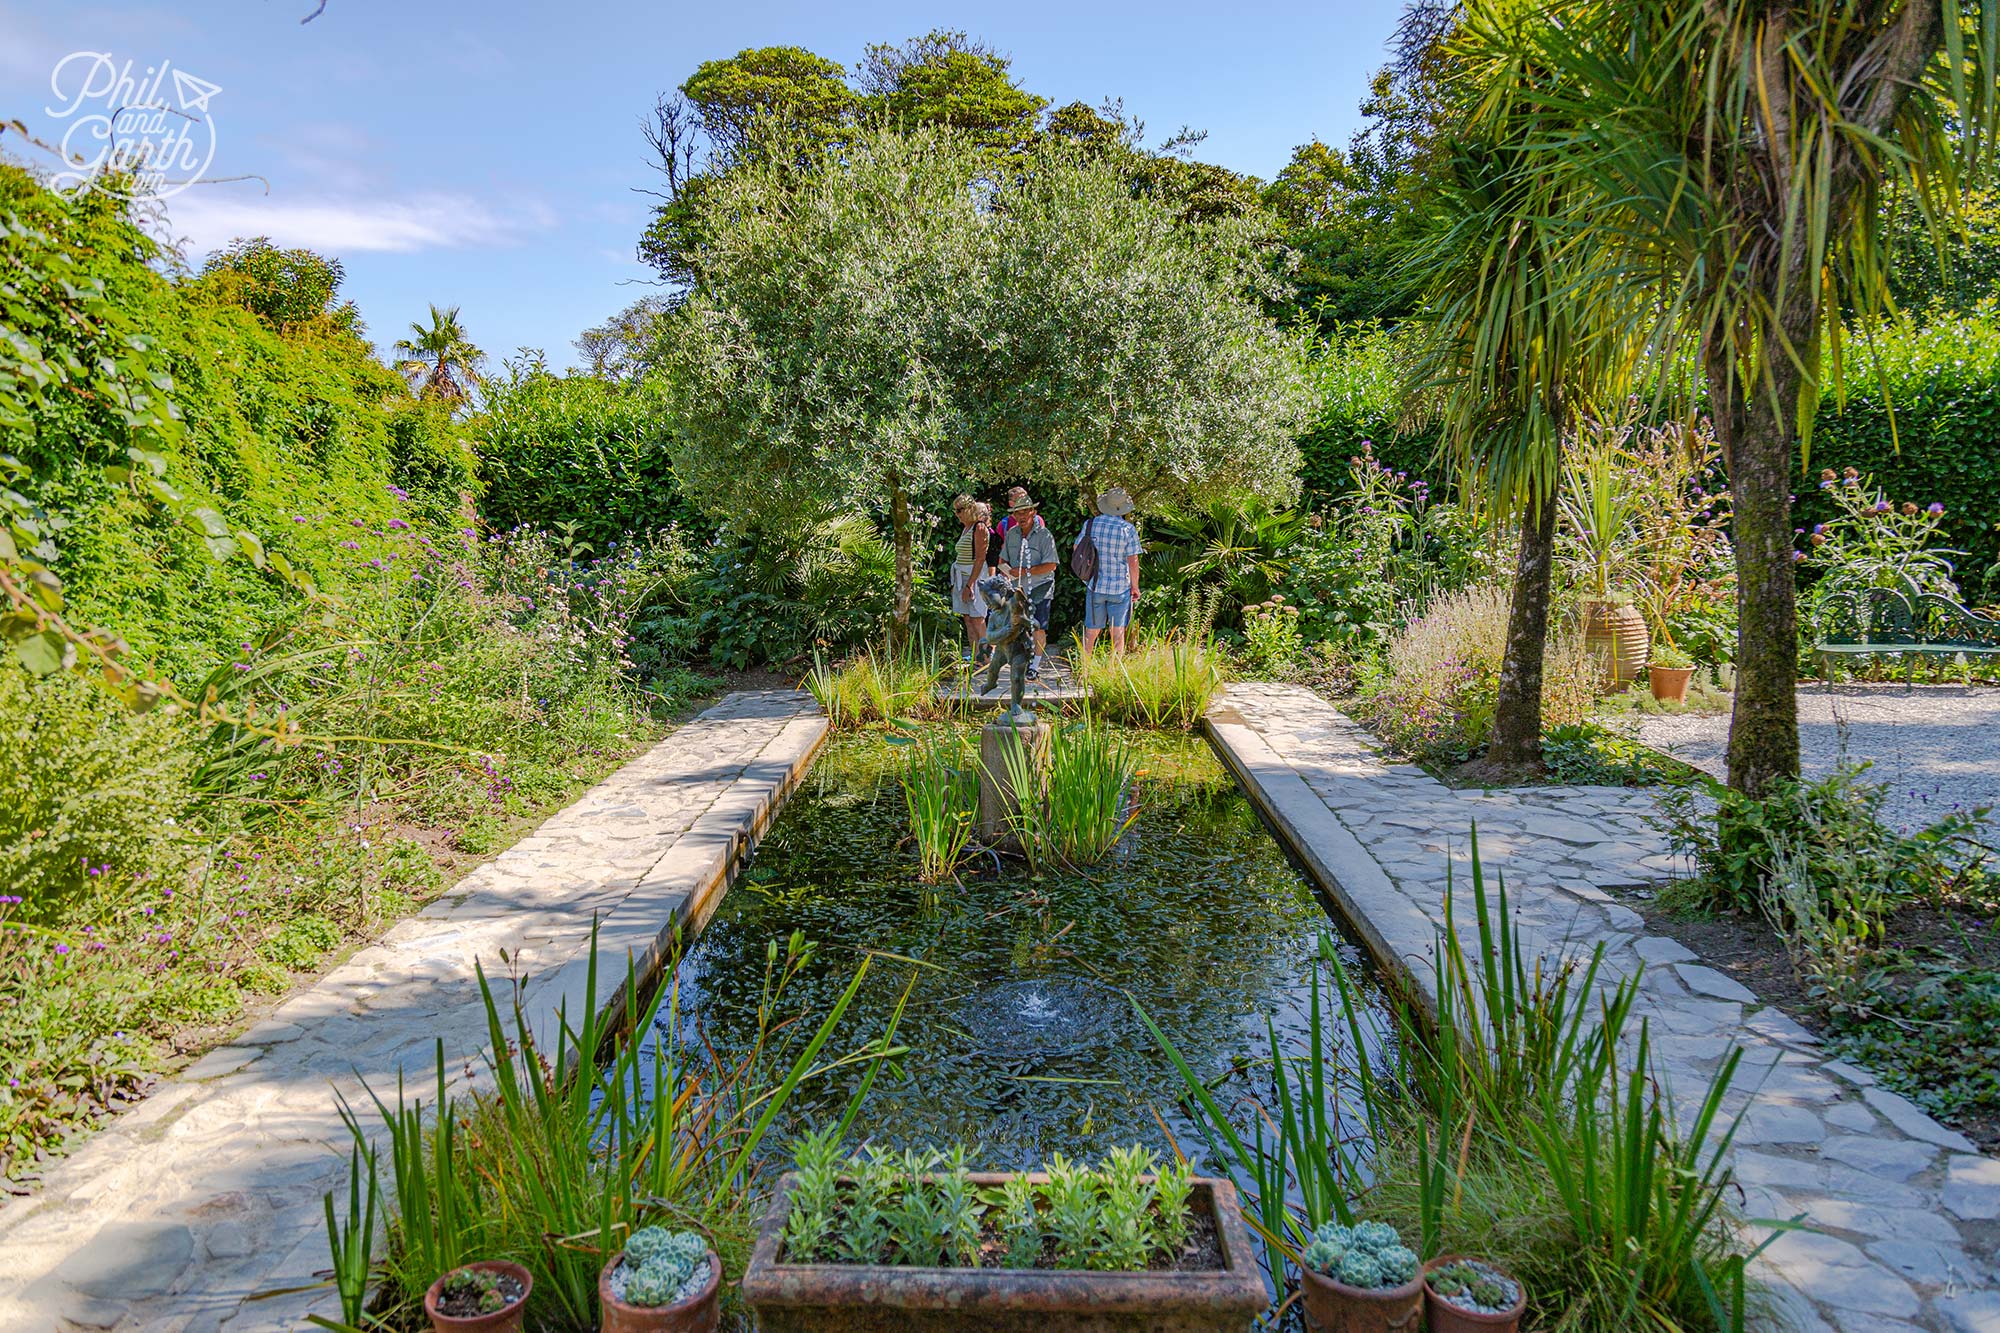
(849, 1298)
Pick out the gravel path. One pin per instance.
(1937, 747)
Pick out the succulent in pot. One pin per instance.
(1360, 1279)
(663, 1280)
(485, 1297)
(1471, 1296)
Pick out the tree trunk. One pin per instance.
(1517, 711)
(1754, 425)
(899, 527)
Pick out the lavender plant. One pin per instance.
(867, 1232)
(919, 1222)
(1021, 1222)
(1076, 1213)
(1171, 1190)
(815, 1195)
(1126, 1211)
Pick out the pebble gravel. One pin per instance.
(1937, 747)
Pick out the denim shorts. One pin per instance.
(1039, 606)
(1107, 610)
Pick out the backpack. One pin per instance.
(1083, 559)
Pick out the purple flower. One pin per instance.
(1881, 506)
(1935, 508)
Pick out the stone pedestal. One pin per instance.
(997, 801)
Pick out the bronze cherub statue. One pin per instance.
(1010, 634)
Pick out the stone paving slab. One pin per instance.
(1903, 1209)
(179, 1212)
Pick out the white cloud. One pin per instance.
(211, 217)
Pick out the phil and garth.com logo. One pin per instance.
(139, 133)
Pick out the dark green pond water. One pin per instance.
(1022, 1038)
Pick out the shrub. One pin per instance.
(1358, 378)
(1875, 542)
(1272, 645)
(1441, 676)
(1935, 439)
(90, 793)
(270, 427)
(825, 584)
(1826, 836)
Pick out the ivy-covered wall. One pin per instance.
(274, 429)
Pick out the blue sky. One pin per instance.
(485, 153)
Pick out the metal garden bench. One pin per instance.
(1884, 621)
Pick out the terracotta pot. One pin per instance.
(851, 1298)
(696, 1314)
(1448, 1318)
(1335, 1307)
(1617, 634)
(500, 1321)
(1670, 684)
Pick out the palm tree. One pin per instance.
(1524, 331)
(1736, 153)
(440, 362)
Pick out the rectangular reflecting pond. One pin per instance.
(1022, 1033)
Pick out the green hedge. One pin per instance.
(1357, 376)
(1942, 382)
(556, 449)
(1943, 386)
(277, 428)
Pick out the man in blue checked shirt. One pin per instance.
(1108, 603)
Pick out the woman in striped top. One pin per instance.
(968, 562)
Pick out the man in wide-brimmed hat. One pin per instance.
(1114, 586)
(1029, 555)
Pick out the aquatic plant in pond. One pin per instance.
(1075, 800)
(1021, 1034)
(874, 686)
(1165, 682)
(941, 792)
(1532, 1099)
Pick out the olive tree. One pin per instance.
(905, 318)
(1123, 346)
(817, 362)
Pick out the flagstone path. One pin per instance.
(1905, 1214)
(180, 1212)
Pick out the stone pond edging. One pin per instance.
(179, 1213)
(1907, 1213)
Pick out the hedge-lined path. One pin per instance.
(1907, 1213)
(176, 1214)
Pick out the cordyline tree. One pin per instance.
(1738, 153)
(1524, 330)
(899, 321)
(1123, 346)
